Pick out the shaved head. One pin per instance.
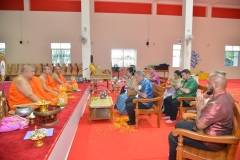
(26, 68)
(217, 82)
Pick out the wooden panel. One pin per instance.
(56, 5)
(121, 7)
(225, 13)
(12, 5)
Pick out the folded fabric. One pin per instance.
(13, 123)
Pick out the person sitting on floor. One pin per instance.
(213, 118)
(153, 75)
(58, 78)
(187, 88)
(144, 90)
(20, 91)
(131, 82)
(47, 81)
(38, 90)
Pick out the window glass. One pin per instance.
(176, 55)
(2, 48)
(61, 53)
(123, 57)
(231, 55)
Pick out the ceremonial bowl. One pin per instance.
(23, 111)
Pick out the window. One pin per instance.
(123, 57)
(2, 48)
(176, 55)
(231, 55)
(61, 53)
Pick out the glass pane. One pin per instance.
(236, 48)
(231, 58)
(65, 46)
(2, 46)
(55, 45)
(176, 47)
(228, 48)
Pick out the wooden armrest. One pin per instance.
(146, 100)
(186, 98)
(228, 139)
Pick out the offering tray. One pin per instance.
(49, 117)
(43, 105)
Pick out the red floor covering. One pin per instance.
(104, 140)
(12, 145)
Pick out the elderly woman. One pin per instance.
(131, 82)
(153, 75)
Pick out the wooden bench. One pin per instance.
(157, 104)
(232, 141)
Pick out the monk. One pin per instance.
(58, 78)
(20, 91)
(38, 90)
(47, 81)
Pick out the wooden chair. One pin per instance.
(74, 69)
(182, 108)
(157, 104)
(163, 81)
(184, 151)
(69, 70)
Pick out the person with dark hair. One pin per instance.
(144, 89)
(153, 76)
(170, 91)
(213, 118)
(187, 88)
(131, 82)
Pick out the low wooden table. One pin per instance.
(100, 108)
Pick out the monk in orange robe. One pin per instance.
(58, 78)
(20, 91)
(47, 81)
(37, 89)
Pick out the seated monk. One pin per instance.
(37, 89)
(58, 78)
(20, 91)
(47, 81)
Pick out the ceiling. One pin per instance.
(216, 3)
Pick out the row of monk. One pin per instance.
(70, 69)
(26, 88)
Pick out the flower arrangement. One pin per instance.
(195, 58)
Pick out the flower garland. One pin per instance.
(195, 58)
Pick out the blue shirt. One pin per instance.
(146, 88)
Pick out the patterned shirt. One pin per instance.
(218, 116)
(146, 88)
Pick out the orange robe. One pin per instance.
(16, 97)
(49, 82)
(38, 90)
(62, 78)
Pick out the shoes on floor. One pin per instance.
(130, 123)
(170, 121)
(166, 117)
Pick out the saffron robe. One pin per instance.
(62, 78)
(49, 82)
(16, 97)
(38, 90)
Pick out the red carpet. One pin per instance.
(12, 145)
(104, 140)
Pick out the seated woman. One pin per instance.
(172, 84)
(153, 76)
(170, 91)
(120, 102)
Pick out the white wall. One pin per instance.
(109, 31)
